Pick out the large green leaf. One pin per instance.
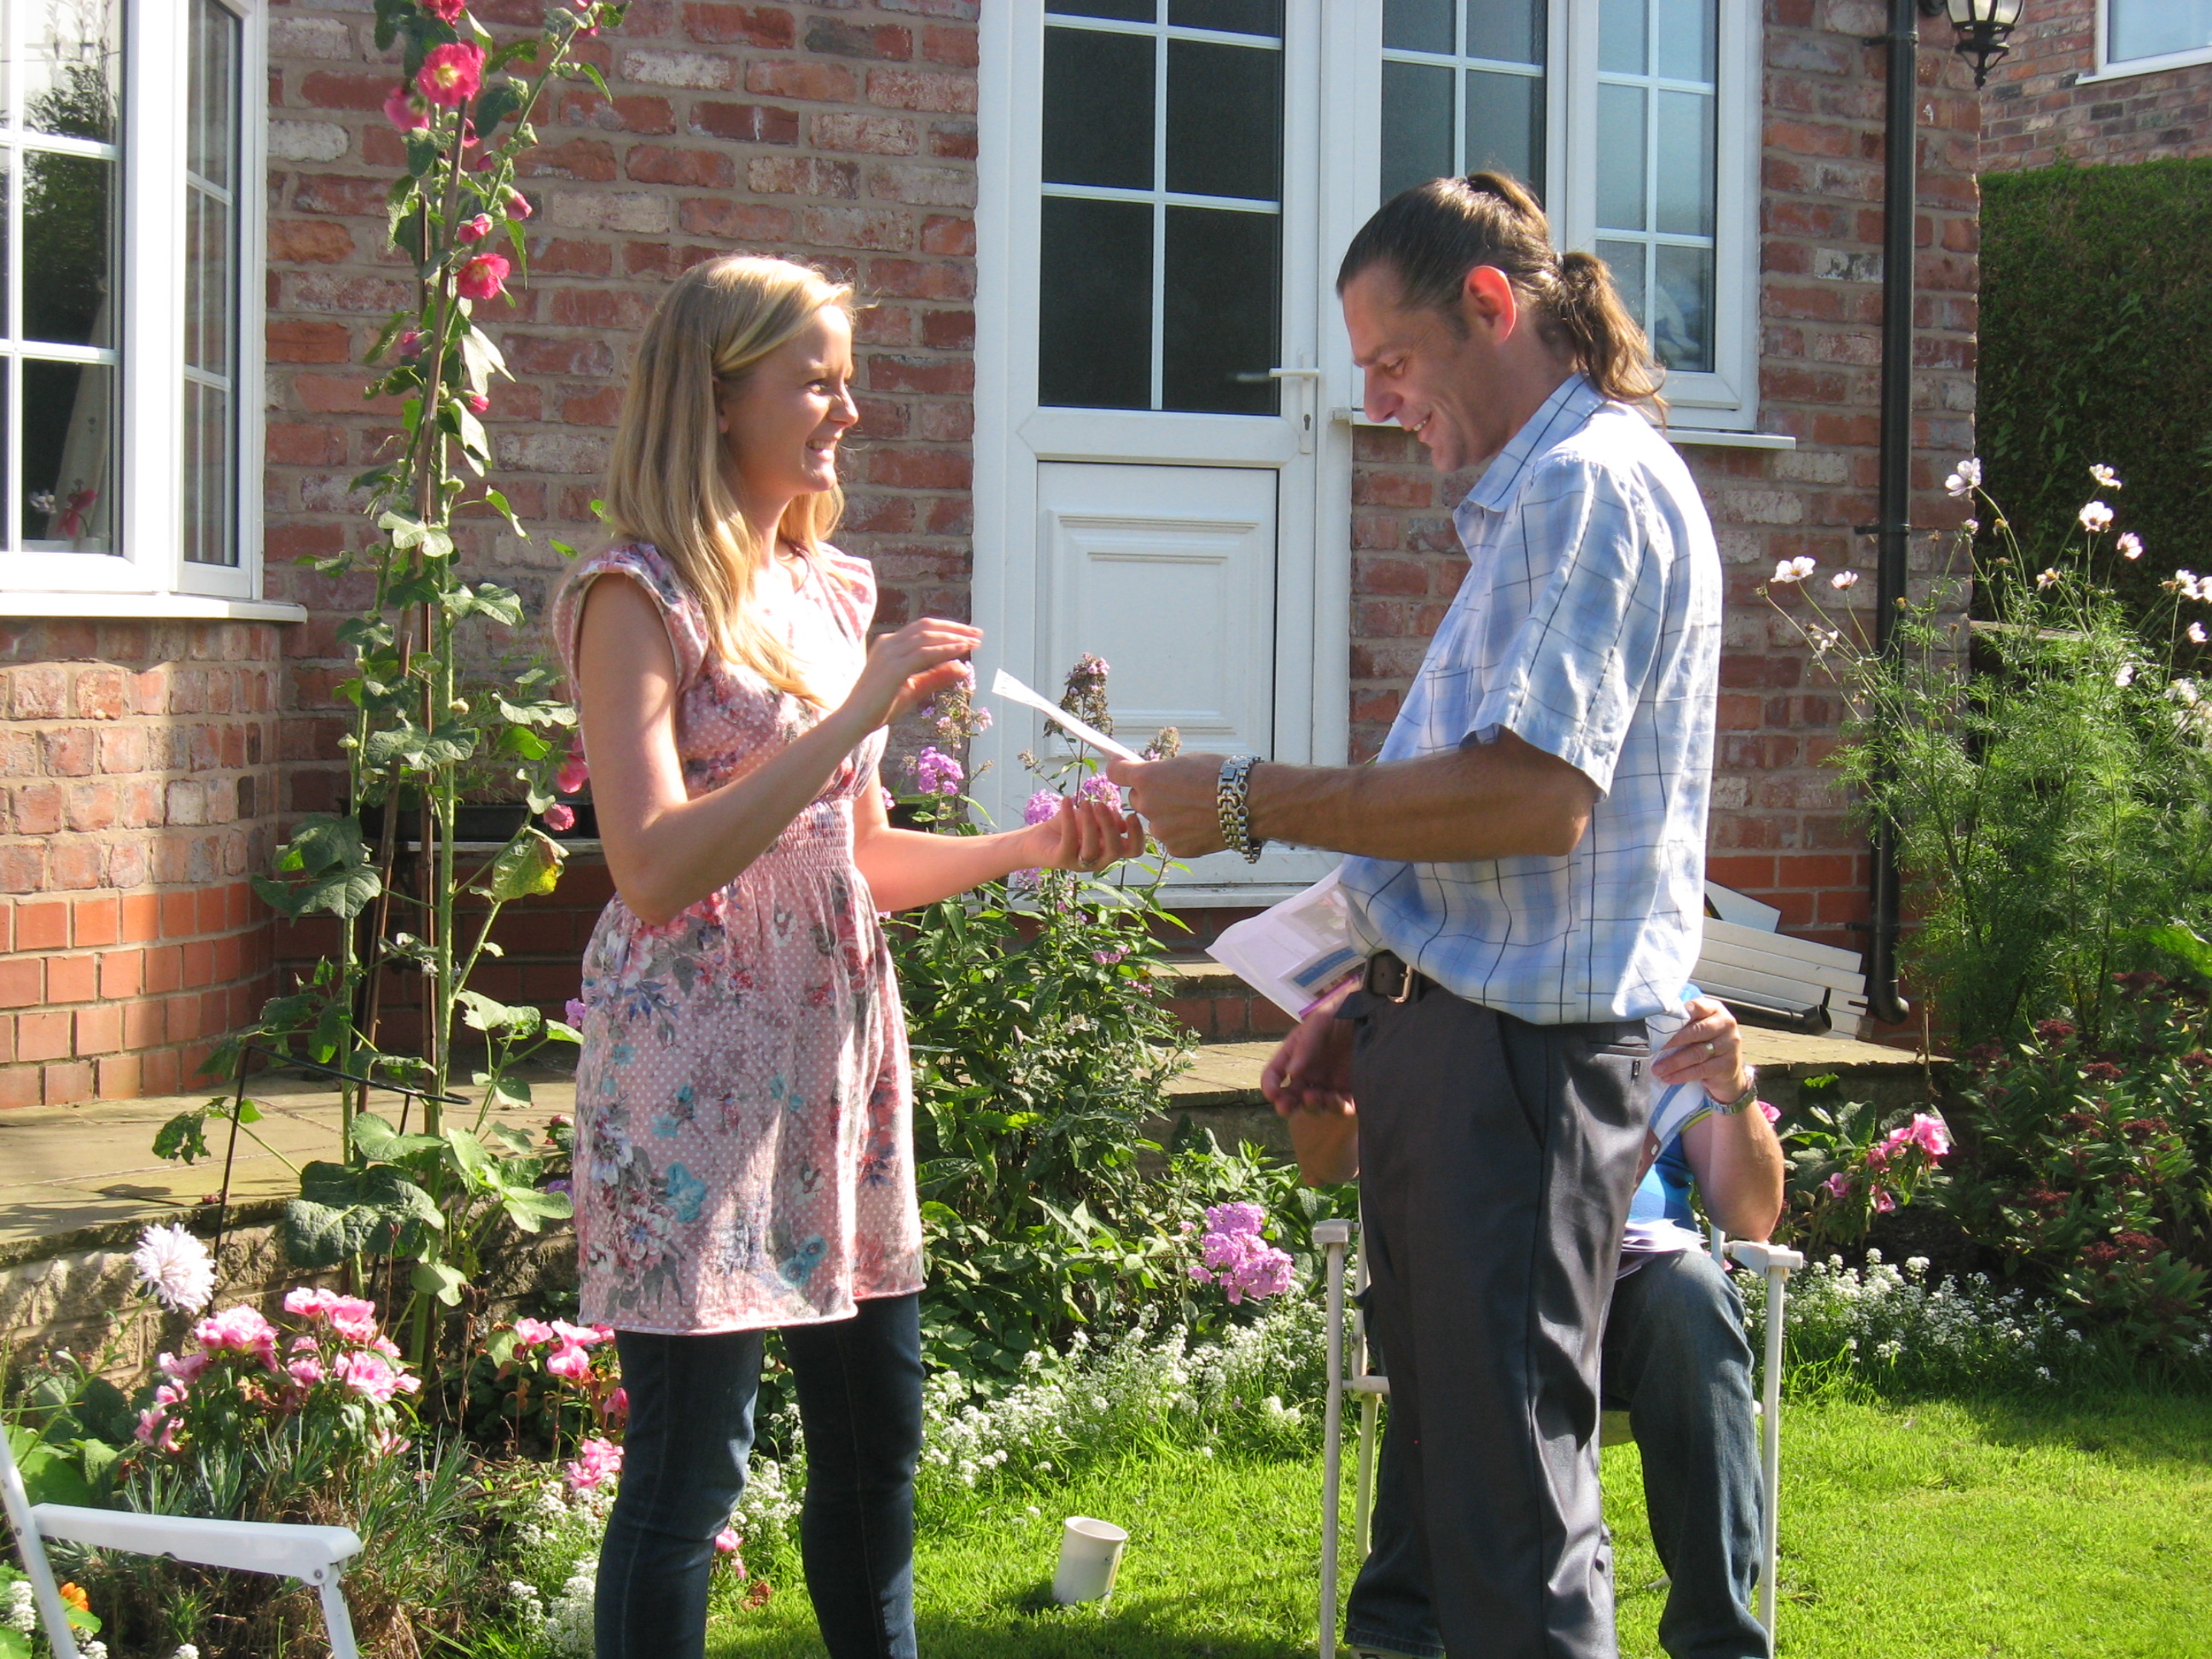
(529, 864)
(440, 1279)
(374, 1210)
(321, 841)
(380, 1143)
(50, 1475)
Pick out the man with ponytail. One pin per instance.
(1526, 870)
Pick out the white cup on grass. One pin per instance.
(1089, 1553)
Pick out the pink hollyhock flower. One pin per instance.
(410, 344)
(405, 111)
(473, 230)
(240, 1330)
(484, 277)
(569, 1363)
(452, 74)
(574, 774)
(445, 11)
(558, 817)
(584, 1336)
(596, 1461)
(517, 205)
(477, 402)
(354, 1319)
(727, 1543)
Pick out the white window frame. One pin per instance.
(2119, 68)
(1725, 401)
(148, 574)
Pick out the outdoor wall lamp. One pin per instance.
(1985, 30)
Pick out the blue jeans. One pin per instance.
(683, 1466)
(1676, 1357)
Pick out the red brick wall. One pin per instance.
(1780, 829)
(137, 785)
(2034, 113)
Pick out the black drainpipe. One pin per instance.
(1894, 528)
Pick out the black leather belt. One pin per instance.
(1391, 978)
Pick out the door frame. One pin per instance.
(1312, 689)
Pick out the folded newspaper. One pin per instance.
(1295, 953)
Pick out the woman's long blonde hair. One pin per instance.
(667, 481)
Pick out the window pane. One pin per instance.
(1417, 124)
(1129, 11)
(210, 284)
(210, 446)
(1235, 16)
(1621, 142)
(1687, 43)
(72, 66)
(2151, 29)
(1224, 120)
(1505, 126)
(1223, 311)
(1098, 109)
(1625, 261)
(1685, 163)
(1510, 31)
(1620, 37)
(210, 490)
(1682, 317)
(69, 248)
(1418, 25)
(1094, 312)
(212, 134)
(69, 441)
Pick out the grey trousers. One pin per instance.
(1497, 1162)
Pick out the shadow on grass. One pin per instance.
(2137, 1427)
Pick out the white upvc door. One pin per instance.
(1163, 463)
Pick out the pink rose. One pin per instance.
(240, 1330)
(452, 74)
(558, 817)
(405, 111)
(569, 1363)
(484, 277)
(618, 1404)
(475, 229)
(305, 1372)
(596, 1463)
(532, 1333)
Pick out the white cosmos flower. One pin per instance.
(1794, 570)
(2130, 546)
(1973, 527)
(2126, 677)
(2106, 477)
(2184, 583)
(1844, 579)
(2197, 633)
(1967, 479)
(176, 1267)
(2046, 579)
(2096, 517)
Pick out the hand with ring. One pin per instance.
(1085, 833)
(1707, 1049)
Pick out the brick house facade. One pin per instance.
(146, 768)
(2048, 102)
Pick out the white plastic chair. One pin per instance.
(311, 1554)
(1335, 1238)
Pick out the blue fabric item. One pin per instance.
(683, 1466)
(1675, 1356)
(1588, 625)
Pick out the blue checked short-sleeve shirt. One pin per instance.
(1588, 626)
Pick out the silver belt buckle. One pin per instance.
(1390, 978)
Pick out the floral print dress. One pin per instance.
(744, 1105)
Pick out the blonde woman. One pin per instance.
(743, 1155)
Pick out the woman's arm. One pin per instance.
(907, 868)
(664, 850)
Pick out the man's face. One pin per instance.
(1438, 383)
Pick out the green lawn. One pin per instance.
(1920, 1532)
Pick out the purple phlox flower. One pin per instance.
(1100, 788)
(1237, 1257)
(1106, 958)
(1040, 806)
(936, 772)
(1166, 746)
(575, 1010)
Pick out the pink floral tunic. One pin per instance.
(743, 1106)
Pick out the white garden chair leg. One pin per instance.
(336, 1615)
(1776, 1265)
(1362, 1508)
(1333, 1236)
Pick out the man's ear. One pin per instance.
(1488, 302)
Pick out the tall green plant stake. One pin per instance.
(464, 102)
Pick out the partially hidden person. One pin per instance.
(744, 1148)
(1676, 1359)
(1526, 874)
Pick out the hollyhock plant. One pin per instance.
(484, 277)
(473, 230)
(405, 110)
(445, 11)
(452, 74)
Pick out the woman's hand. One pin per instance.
(1085, 833)
(1707, 1049)
(910, 665)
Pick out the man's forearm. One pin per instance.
(1738, 1167)
(1495, 801)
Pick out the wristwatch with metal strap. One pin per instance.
(1742, 1101)
(1232, 800)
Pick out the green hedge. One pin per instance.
(2096, 345)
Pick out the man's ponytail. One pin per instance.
(1434, 234)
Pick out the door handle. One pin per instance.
(1310, 377)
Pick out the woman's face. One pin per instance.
(781, 425)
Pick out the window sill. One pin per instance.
(2133, 69)
(1692, 437)
(149, 607)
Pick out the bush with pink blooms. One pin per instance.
(1850, 1161)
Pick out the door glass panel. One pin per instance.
(1098, 109)
(1507, 31)
(1128, 11)
(1620, 37)
(1119, 328)
(1504, 124)
(1419, 26)
(1450, 105)
(1417, 125)
(1682, 319)
(1687, 39)
(1684, 176)
(1224, 120)
(1223, 311)
(1232, 16)
(1095, 313)
(1621, 142)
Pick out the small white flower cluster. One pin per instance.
(22, 1615)
(767, 1512)
(529, 1606)
(1889, 1319)
(568, 1627)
